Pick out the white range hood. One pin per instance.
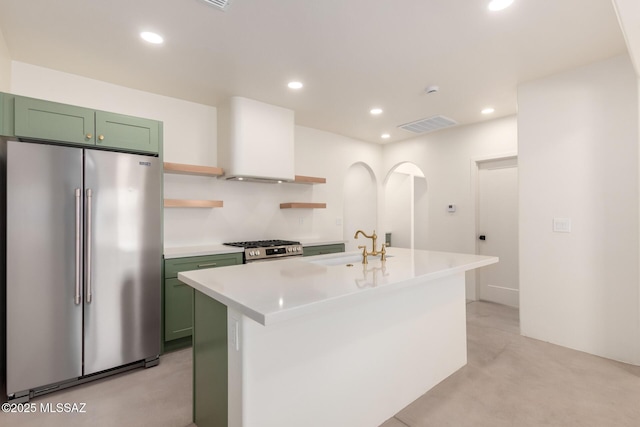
(255, 141)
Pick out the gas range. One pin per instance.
(265, 250)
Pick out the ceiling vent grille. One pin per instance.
(429, 124)
(220, 4)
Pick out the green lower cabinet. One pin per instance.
(323, 249)
(51, 121)
(178, 306)
(178, 297)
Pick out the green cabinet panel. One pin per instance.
(6, 114)
(323, 249)
(127, 133)
(177, 309)
(210, 362)
(51, 121)
(178, 297)
(175, 265)
(44, 120)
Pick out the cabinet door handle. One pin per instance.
(77, 299)
(101, 137)
(89, 136)
(210, 264)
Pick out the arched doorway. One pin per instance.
(406, 206)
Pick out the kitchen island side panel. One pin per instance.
(355, 366)
(209, 361)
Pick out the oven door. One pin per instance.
(272, 258)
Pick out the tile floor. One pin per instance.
(509, 381)
(514, 381)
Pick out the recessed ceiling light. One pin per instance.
(295, 85)
(499, 4)
(151, 37)
(385, 136)
(432, 89)
(376, 111)
(488, 110)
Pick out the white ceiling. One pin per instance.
(350, 54)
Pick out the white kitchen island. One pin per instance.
(326, 341)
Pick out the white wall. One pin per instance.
(446, 158)
(578, 158)
(189, 128)
(320, 153)
(251, 210)
(5, 65)
(360, 205)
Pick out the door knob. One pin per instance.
(482, 237)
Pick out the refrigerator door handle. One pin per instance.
(77, 298)
(88, 260)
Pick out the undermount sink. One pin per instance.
(346, 259)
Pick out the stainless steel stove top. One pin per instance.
(264, 250)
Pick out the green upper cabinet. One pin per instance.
(52, 121)
(127, 133)
(38, 119)
(6, 114)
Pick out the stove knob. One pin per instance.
(289, 249)
(252, 253)
(257, 253)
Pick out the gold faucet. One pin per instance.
(374, 237)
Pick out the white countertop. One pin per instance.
(188, 251)
(274, 291)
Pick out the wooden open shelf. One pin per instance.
(192, 169)
(178, 203)
(301, 179)
(300, 205)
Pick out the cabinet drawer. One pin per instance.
(127, 133)
(173, 266)
(51, 121)
(323, 249)
(178, 309)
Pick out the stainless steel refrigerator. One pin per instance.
(83, 264)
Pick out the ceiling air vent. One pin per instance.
(429, 124)
(220, 4)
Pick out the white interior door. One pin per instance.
(498, 230)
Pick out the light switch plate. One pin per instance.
(562, 225)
